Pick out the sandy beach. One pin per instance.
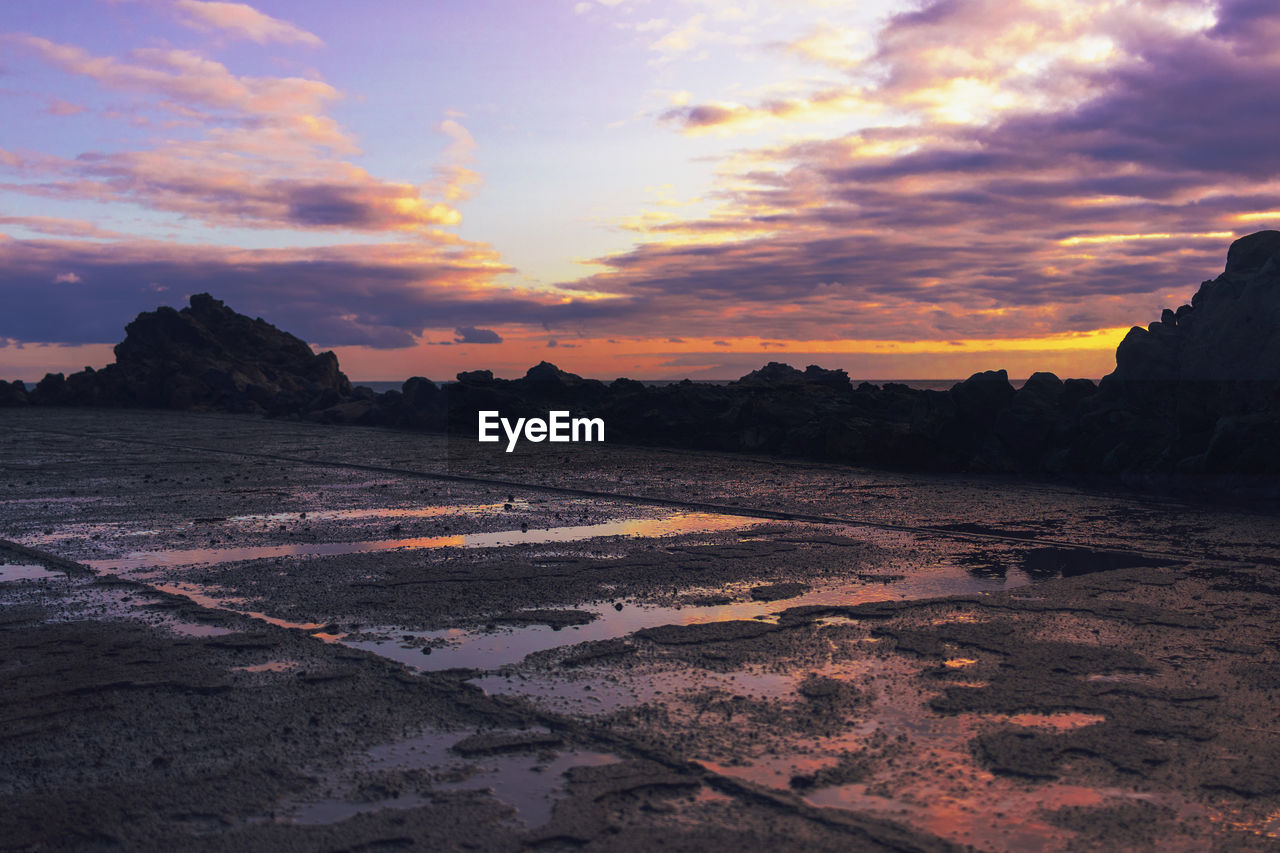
(222, 632)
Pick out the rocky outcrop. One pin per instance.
(13, 394)
(1199, 389)
(205, 357)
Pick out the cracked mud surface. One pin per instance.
(221, 633)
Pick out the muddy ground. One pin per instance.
(224, 633)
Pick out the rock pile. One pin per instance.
(204, 357)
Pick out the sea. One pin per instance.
(381, 386)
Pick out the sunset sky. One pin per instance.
(649, 188)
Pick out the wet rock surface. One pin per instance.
(718, 650)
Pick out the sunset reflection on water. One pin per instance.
(673, 524)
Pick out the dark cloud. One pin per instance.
(378, 296)
(705, 115)
(472, 335)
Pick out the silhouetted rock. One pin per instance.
(1199, 389)
(419, 392)
(773, 373)
(13, 394)
(204, 357)
(777, 373)
(476, 377)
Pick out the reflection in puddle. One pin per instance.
(202, 597)
(674, 524)
(1262, 823)
(122, 530)
(489, 650)
(10, 573)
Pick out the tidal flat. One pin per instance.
(224, 633)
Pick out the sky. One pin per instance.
(644, 188)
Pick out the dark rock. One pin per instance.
(52, 387)
(774, 372)
(13, 394)
(419, 392)
(1206, 376)
(1250, 254)
(476, 377)
(205, 357)
(705, 632)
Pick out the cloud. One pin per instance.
(383, 296)
(472, 335)
(1094, 165)
(56, 107)
(454, 177)
(262, 152)
(66, 278)
(242, 21)
(187, 78)
(59, 227)
(718, 116)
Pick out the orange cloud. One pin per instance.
(242, 20)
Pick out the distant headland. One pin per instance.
(1196, 391)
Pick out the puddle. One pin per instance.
(260, 521)
(1261, 822)
(528, 780)
(675, 524)
(11, 573)
(490, 650)
(202, 597)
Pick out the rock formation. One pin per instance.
(204, 357)
(1199, 389)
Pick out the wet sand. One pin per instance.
(228, 633)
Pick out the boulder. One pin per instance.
(205, 356)
(13, 394)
